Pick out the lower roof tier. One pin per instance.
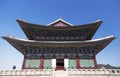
(94, 46)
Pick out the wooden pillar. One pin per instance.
(77, 59)
(95, 63)
(42, 62)
(24, 61)
(77, 62)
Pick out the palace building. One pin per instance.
(59, 45)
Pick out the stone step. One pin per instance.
(60, 73)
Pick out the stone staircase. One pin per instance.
(60, 73)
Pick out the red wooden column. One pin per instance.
(42, 62)
(77, 62)
(95, 62)
(24, 61)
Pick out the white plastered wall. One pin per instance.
(66, 63)
(53, 63)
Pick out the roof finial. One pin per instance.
(60, 17)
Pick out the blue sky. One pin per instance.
(46, 11)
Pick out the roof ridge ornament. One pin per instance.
(58, 20)
(60, 17)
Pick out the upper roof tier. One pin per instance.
(97, 44)
(59, 28)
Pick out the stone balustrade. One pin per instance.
(67, 72)
(27, 73)
(93, 72)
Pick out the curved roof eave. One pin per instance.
(99, 43)
(57, 42)
(31, 25)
